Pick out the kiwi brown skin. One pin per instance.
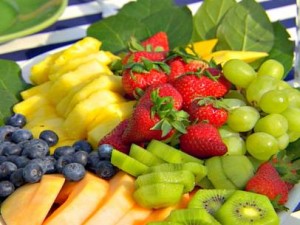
(247, 208)
(210, 199)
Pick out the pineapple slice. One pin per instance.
(40, 71)
(102, 57)
(83, 73)
(103, 82)
(83, 47)
(87, 110)
(41, 89)
(122, 110)
(96, 134)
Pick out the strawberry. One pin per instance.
(140, 55)
(176, 68)
(202, 140)
(155, 117)
(138, 76)
(267, 181)
(113, 138)
(157, 42)
(209, 110)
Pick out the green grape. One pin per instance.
(293, 97)
(261, 145)
(226, 131)
(272, 68)
(232, 103)
(283, 141)
(292, 114)
(242, 119)
(235, 145)
(239, 72)
(282, 85)
(235, 94)
(273, 124)
(293, 136)
(258, 87)
(274, 101)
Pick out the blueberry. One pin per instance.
(105, 169)
(62, 161)
(20, 135)
(49, 136)
(32, 173)
(80, 157)
(3, 144)
(10, 148)
(20, 161)
(73, 171)
(63, 150)
(6, 169)
(16, 120)
(6, 188)
(92, 161)
(35, 148)
(6, 131)
(38, 161)
(104, 151)
(17, 178)
(3, 158)
(83, 145)
(49, 164)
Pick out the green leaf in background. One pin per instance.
(283, 49)
(10, 86)
(142, 19)
(208, 16)
(245, 26)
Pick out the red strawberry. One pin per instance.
(155, 117)
(176, 68)
(113, 138)
(202, 140)
(157, 42)
(141, 75)
(267, 181)
(208, 109)
(140, 55)
(196, 66)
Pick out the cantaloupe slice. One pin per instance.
(85, 197)
(119, 201)
(39, 199)
(65, 192)
(2, 221)
(135, 215)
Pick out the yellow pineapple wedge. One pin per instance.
(41, 89)
(102, 57)
(84, 73)
(86, 111)
(122, 110)
(40, 71)
(81, 48)
(96, 134)
(76, 95)
(202, 48)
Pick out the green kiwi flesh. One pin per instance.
(158, 195)
(144, 156)
(183, 177)
(209, 199)
(195, 216)
(247, 208)
(127, 163)
(164, 151)
(164, 223)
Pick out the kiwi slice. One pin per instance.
(238, 169)
(164, 223)
(127, 163)
(188, 158)
(144, 156)
(247, 208)
(215, 174)
(164, 151)
(158, 195)
(192, 216)
(184, 177)
(209, 199)
(205, 183)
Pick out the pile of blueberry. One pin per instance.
(25, 159)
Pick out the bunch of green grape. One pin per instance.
(264, 113)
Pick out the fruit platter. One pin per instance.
(171, 118)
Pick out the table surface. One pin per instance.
(79, 14)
